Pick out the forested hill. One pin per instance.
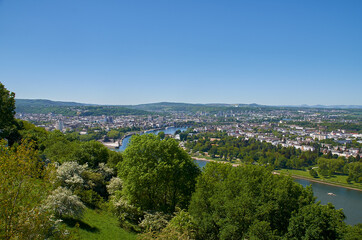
(69, 108)
(189, 107)
(46, 103)
(73, 108)
(217, 107)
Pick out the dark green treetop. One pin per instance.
(157, 174)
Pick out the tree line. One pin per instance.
(221, 146)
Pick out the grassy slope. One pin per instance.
(340, 180)
(98, 224)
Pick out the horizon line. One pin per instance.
(211, 103)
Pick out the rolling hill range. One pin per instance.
(74, 108)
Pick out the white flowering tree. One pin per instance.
(69, 175)
(115, 184)
(155, 222)
(105, 171)
(64, 203)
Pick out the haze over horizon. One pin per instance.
(240, 52)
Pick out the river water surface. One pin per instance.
(349, 200)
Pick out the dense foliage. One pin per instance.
(231, 202)
(250, 150)
(316, 221)
(25, 182)
(8, 124)
(157, 174)
(221, 146)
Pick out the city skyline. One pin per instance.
(242, 52)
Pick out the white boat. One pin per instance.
(331, 194)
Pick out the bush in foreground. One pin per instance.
(64, 203)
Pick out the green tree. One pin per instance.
(8, 124)
(355, 171)
(114, 158)
(183, 136)
(261, 230)
(328, 167)
(113, 134)
(238, 202)
(24, 184)
(157, 174)
(92, 152)
(161, 135)
(57, 147)
(317, 221)
(181, 227)
(353, 232)
(313, 173)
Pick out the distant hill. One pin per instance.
(324, 106)
(42, 106)
(168, 107)
(47, 103)
(336, 106)
(73, 108)
(189, 107)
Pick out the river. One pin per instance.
(349, 200)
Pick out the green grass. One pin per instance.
(340, 180)
(98, 224)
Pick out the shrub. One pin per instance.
(90, 198)
(64, 203)
(128, 215)
(24, 184)
(313, 173)
(105, 171)
(69, 175)
(114, 185)
(181, 227)
(154, 221)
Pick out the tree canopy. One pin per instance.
(8, 127)
(317, 221)
(24, 184)
(157, 174)
(237, 202)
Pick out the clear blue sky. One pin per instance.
(128, 52)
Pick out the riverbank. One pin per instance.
(286, 172)
(321, 181)
(111, 145)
